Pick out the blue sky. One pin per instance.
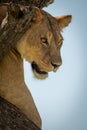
(62, 98)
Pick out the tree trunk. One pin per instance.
(11, 118)
(13, 26)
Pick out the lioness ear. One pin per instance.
(63, 21)
(37, 15)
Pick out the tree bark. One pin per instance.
(38, 3)
(13, 26)
(11, 118)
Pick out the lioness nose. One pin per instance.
(56, 65)
(56, 61)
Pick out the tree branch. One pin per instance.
(38, 3)
(13, 26)
(11, 118)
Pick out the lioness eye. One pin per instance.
(44, 41)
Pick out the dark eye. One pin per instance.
(44, 41)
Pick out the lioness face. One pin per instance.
(41, 44)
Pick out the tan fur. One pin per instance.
(34, 48)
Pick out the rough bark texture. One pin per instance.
(13, 26)
(38, 3)
(11, 118)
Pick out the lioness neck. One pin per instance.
(13, 88)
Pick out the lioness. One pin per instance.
(40, 46)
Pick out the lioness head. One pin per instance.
(41, 44)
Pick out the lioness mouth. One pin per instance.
(37, 69)
(38, 73)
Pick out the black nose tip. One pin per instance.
(55, 65)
